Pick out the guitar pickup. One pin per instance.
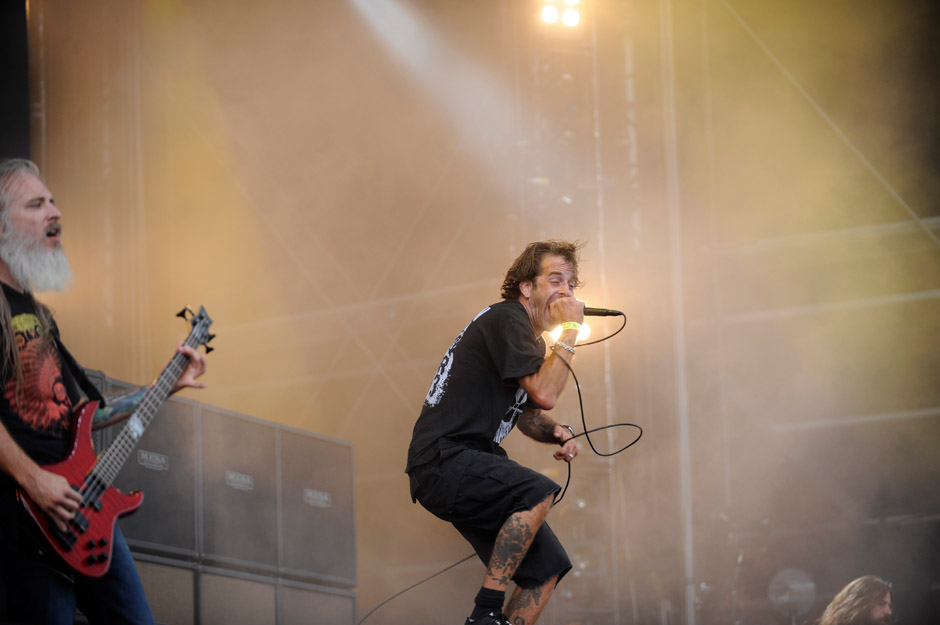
(81, 521)
(93, 501)
(94, 487)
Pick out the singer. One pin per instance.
(495, 376)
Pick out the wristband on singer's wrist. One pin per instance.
(565, 346)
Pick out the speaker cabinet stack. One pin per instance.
(316, 486)
(243, 520)
(239, 492)
(163, 466)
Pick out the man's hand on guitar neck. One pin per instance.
(195, 368)
(122, 405)
(53, 494)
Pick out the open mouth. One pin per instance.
(54, 231)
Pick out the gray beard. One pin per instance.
(34, 267)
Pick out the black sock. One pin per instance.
(487, 600)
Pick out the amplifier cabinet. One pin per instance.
(163, 466)
(318, 530)
(185, 593)
(226, 490)
(227, 598)
(310, 605)
(239, 491)
(170, 587)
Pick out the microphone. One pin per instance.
(602, 312)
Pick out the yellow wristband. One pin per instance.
(571, 325)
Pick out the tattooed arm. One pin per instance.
(540, 427)
(118, 407)
(123, 405)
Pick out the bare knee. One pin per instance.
(541, 510)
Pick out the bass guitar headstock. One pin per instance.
(200, 322)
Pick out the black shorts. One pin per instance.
(476, 492)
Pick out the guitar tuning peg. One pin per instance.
(211, 336)
(209, 349)
(182, 314)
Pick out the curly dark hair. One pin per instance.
(855, 600)
(529, 264)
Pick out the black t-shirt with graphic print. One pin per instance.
(38, 416)
(475, 399)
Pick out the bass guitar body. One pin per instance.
(86, 544)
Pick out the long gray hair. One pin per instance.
(11, 170)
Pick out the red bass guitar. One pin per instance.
(85, 545)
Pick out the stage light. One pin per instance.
(552, 14)
(583, 333)
(792, 592)
(549, 14)
(571, 18)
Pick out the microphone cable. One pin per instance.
(415, 585)
(586, 434)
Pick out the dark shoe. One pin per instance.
(493, 618)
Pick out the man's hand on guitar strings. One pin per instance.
(54, 495)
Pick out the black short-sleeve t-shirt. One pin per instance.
(475, 400)
(38, 414)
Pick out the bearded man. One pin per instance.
(864, 601)
(40, 383)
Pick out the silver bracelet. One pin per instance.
(566, 346)
(570, 429)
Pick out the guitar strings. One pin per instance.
(113, 459)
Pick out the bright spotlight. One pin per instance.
(572, 2)
(583, 333)
(570, 17)
(549, 14)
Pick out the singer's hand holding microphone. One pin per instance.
(601, 312)
(572, 309)
(567, 309)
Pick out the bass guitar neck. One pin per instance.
(85, 545)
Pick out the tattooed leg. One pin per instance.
(527, 604)
(512, 543)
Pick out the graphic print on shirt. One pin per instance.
(512, 415)
(43, 401)
(439, 383)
